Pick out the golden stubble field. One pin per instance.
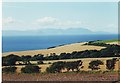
(85, 64)
(60, 49)
(61, 76)
(67, 49)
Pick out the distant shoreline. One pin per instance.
(45, 48)
(63, 48)
(68, 48)
(23, 43)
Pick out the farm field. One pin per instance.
(60, 49)
(85, 64)
(60, 41)
(117, 42)
(66, 76)
(60, 77)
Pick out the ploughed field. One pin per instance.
(60, 77)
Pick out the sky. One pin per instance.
(29, 16)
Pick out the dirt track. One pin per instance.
(60, 77)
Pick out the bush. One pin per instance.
(10, 60)
(110, 64)
(94, 65)
(73, 65)
(37, 57)
(30, 69)
(50, 70)
(56, 67)
(9, 69)
(26, 59)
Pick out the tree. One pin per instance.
(50, 70)
(94, 65)
(64, 56)
(26, 59)
(30, 69)
(37, 57)
(51, 57)
(56, 67)
(9, 69)
(110, 64)
(73, 65)
(10, 60)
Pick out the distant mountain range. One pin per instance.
(70, 31)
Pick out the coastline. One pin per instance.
(68, 48)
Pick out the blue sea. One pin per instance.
(22, 43)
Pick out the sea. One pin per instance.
(23, 43)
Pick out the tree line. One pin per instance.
(57, 67)
(109, 51)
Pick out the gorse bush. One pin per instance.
(30, 69)
(9, 69)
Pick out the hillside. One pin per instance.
(60, 49)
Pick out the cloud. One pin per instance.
(57, 23)
(46, 21)
(8, 20)
(40, 23)
(68, 23)
(112, 28)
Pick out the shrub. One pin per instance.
(9, 69)
(94, 65)
(110, 64)
(73, 65)
(10, 60)
(30, 69)
(56, 67)
(26, 59)
(37, 57)
(50, 70)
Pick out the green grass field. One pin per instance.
(108, 41)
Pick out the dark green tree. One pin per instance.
(56, 67)
(10, 60)
(26, 59)
(73, 65)
(9, 69)
(110, 64)
(30, 69)
(94, 65)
